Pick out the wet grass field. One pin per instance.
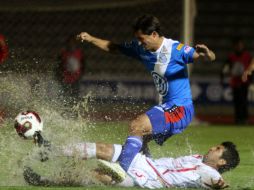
(195, 139)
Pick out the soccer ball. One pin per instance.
(28, 123)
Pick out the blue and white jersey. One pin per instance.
(167, 66)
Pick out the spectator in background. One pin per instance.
(237, 63)
(71, 68)
(3, 49)
(248, 71)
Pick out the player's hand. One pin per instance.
(218, 184)
(245, 75)
(84, 36)
(202, 49)
(204, 52)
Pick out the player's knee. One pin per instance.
(140, 126)
(134, 129)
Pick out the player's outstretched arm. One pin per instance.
(219, 184)
(248, 71)
(203, 52)
(105, 45)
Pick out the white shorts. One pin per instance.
(143, 174)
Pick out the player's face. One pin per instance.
(214, 155)
(149, 42)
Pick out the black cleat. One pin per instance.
(41, 142)
(33, 178)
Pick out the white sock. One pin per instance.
(117, 152)
(83, 150)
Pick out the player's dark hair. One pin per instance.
(230, 155)
(147, 24)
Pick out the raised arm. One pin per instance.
(105, 45)
(248, 71)
(203, 52)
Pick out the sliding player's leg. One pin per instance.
(87, 150)
(33, 178)
(108, 179)
(114, 152)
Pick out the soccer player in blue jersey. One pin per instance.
(166, 60)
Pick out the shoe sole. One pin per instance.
(113, 169)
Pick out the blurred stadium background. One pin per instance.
(37, 30)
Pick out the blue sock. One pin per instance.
(131, 147)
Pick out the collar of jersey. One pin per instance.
(159, 49)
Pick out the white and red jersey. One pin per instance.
(183, 172)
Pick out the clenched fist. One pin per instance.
(84, 36)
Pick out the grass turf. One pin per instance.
(195, 139)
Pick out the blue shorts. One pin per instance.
(169, 119)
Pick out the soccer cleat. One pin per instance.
(40, 141)
(32, 178)
(112, 169)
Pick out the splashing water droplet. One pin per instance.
(63, 125)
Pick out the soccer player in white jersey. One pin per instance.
(195, 171)
(166, 60)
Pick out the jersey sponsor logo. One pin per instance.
(162, 58)
(179, 47)
(163, 55)
(161, 83)
(187, 49)
(164, 50)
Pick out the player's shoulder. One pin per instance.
(170, 42)
(177, 48)
(212, 172)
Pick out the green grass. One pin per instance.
(195, 139)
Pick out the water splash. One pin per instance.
(63, 125)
